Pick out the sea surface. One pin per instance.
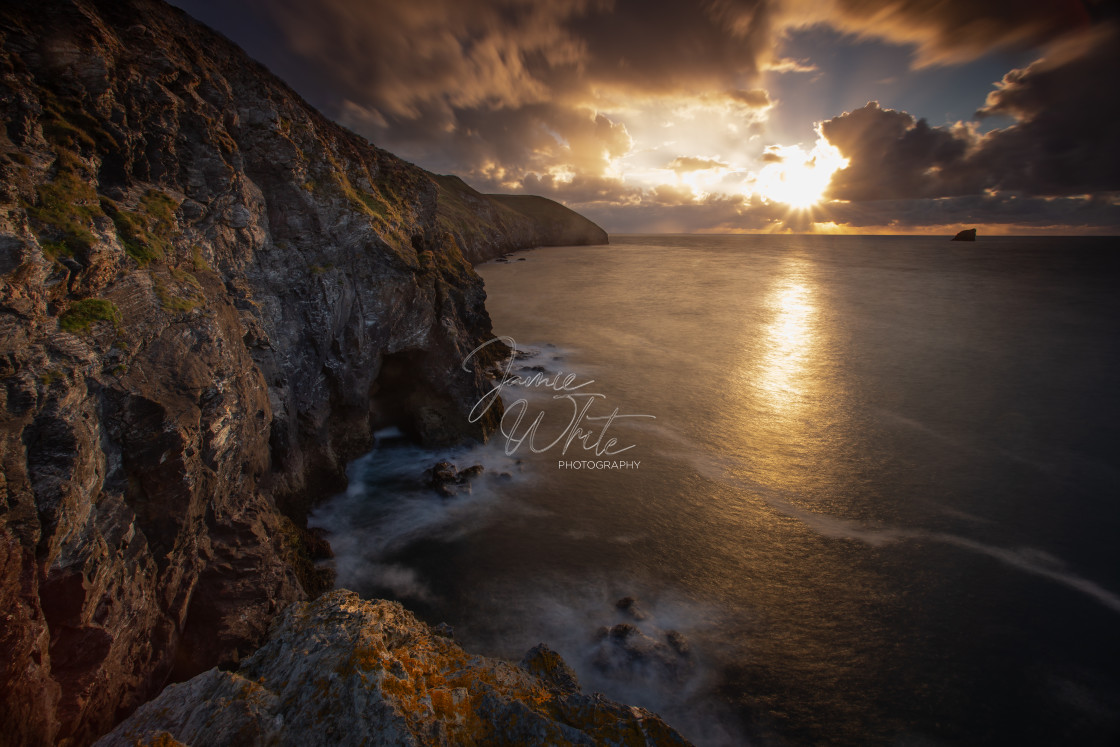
(877, 495)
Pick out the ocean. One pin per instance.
(861, 490)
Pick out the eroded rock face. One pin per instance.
(342, 671)
(210, 297)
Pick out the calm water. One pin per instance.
(878, 494)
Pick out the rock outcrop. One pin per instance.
(210, 297)
(969, 234)
(342, 671)
(488, 226)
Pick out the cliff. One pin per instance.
(210, 297)
(341, 671)
(488, 226)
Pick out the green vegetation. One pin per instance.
(50, 376)
(447, 261)
(455, 215)
(368, 203)
(82, 314)
(66, 207)
(68, 126)
(184, 293)
(198, 262)
(146, 233)
(64, 212)
(62, 133)
(162, 208)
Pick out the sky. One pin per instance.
(728, 116)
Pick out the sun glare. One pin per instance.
(799, 179)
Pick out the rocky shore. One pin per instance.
(343, 671)
(211, 296)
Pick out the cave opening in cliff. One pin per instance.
(400, 398)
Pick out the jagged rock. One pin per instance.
(441, 476)
(550, 666)
(343, 671)
(446, 480)
(624, 651)
(677, 641)
(968, 234)
(210, 297)
(469, 473)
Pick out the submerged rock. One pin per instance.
(344, 671)
(445, 479)
(631, 607)
(624, 651)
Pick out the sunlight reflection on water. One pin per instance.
(825, 506)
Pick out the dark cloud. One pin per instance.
(894, 156)
(658, 47)
(1063, 142)
(947, 31)
(405, 59)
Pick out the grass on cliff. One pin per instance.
(67, 206)
(64, 213)
(66, 124)
(180, 292)
(145, 233)
(376, 202)
(81, 314)
(459, 210)
(372, 205)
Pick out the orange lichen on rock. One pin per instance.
(342, 670)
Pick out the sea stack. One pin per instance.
(969, 234)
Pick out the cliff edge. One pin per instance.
(488, 226)
(343, 671)
(210, 297)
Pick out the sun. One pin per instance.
(797, 178)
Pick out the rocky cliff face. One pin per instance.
(341, 671)
(210, 296)
(487, 226)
